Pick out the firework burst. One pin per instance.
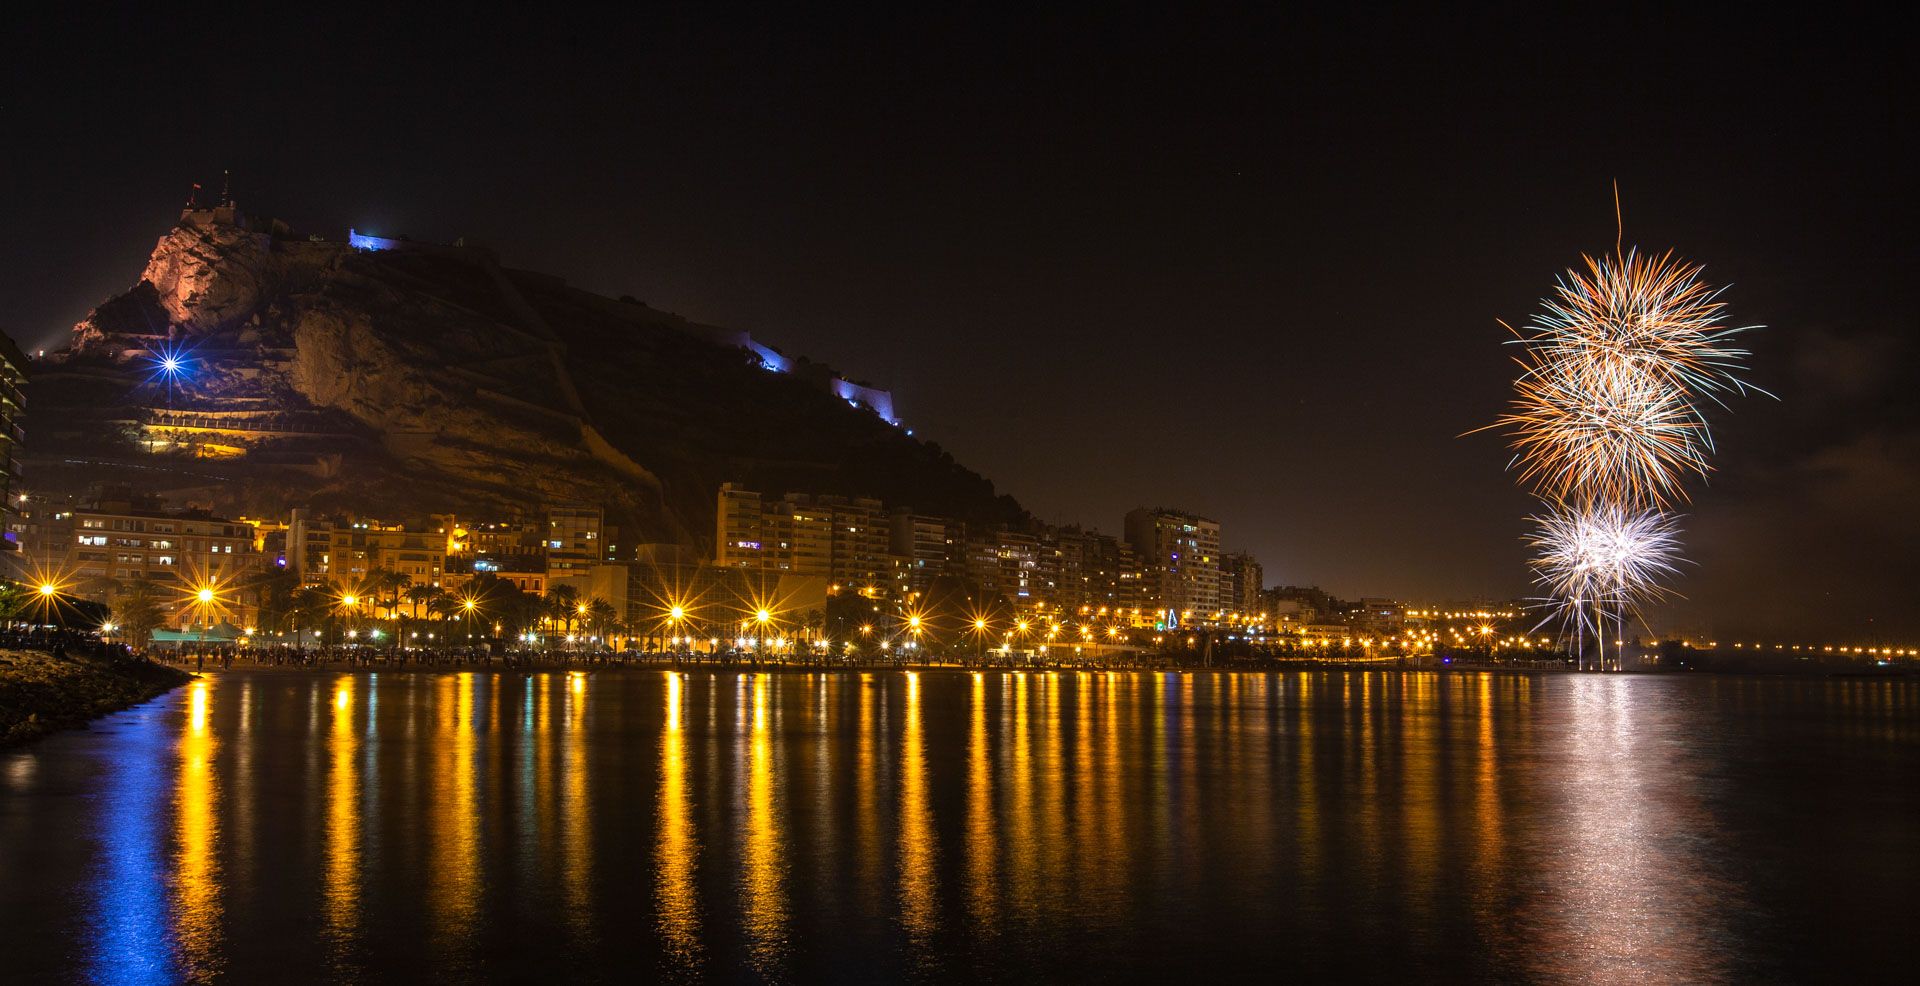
(1618, 360)
(1600, 562)
(1604, 430)
(1650, 316)
(1607, 424)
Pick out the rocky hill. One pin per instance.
(395, 379)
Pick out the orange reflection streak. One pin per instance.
(918, 892)
(341, 894)
(1307, 796)
(242, 804)
(678, 852)
(543, 763)
(825, 753)
(765, 863)
(1113, 791)
(1188, 802)
(1368, 810)
(1053, 811)
(196, 889)
(1420, 786)
(866, 825)
(453, 896)
(1085, 839)
(1489, 817)
(1247, 745)
(983, 904)
(1158, 807)
(576, 818)
(1020, 840)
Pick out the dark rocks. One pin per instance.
(40, 693)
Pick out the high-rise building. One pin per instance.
(1241, 577)
(1179, 557)
(308, 541)
(1021, 577)
(573, 539)
(802, 541)
(861, 536)
(739, 536)
(839, 538)
(922, 546)
(1096, 572)
(13, 373)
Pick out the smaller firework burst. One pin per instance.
(1600, 563)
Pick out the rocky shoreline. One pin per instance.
(41, 693)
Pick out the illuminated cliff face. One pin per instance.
(428, 378)
(406, 380)
(209, 275)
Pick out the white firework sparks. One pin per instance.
(1601, 562)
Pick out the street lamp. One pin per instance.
(762, 617)
(348, 601)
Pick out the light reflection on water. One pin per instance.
(196, 889)
(764, 867)
(280, 827)
(341, 894)
(678, 854)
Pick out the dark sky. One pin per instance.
(1250, 266)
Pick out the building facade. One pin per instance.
(1241, 583)
(13, 374)
(841, 539)
(1179, 555)
(575, 541)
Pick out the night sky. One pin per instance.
(1248, 267)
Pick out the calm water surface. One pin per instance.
(286, 827)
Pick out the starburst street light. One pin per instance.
(982, 629)
(166, 365)
(469, 606)
(677, 615)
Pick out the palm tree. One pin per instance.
(563, 605)
(310, 605)
(137, 610)
(14, 598)
(399, 585)
(442, 606)
(273, 590)
(813, 623)
(424, 595)
(601, 616)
